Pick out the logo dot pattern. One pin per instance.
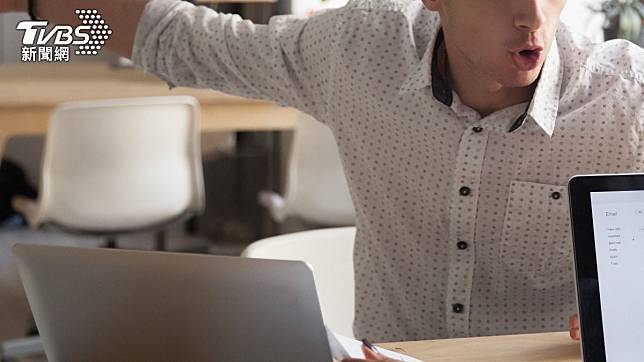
(99, 31)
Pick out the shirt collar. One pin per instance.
(543, 107)
(441, 89)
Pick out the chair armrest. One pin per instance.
(275, 204)
(28, 208)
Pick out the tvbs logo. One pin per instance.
(89, 37)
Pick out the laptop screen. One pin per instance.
(618, 226)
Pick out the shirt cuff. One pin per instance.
(156, 16)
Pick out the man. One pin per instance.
(459, 123)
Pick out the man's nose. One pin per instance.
(529, 15)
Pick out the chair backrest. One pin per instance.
(122, 164)
(329, 252)
(316, 187)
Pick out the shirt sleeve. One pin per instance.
(286, 61)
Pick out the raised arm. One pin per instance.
(289, 61)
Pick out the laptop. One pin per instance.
(607, 213)
(121, 305)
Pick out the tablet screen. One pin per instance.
(618, 226)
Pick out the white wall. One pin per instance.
(582, 20)
(306, 7)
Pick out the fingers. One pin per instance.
(574, 321)
(575, 333)
(371, 355)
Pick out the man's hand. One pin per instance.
(370, 356)
(574, 327)
(7, 6)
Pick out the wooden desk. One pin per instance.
(29, 92)
(546, 347)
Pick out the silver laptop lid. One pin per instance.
(118, 305)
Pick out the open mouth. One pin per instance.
(527, 52)
(527, 59)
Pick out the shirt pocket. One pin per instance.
(536, 242)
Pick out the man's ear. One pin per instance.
(433, 5)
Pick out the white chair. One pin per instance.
(116, 166)
(316, 188)
(121, 165)
(330, 254)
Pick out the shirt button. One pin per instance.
(458, 308)
(555, 195)
(477, 129)
(464, 191)
(461, 245)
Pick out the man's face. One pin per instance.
(496, 38)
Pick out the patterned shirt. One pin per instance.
(462, 227)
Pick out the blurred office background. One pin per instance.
(247, 175)
(239, 166)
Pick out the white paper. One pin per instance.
(344, 347)
(338, 352)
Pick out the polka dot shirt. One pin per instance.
(462, 226)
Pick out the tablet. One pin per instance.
(607, 213)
